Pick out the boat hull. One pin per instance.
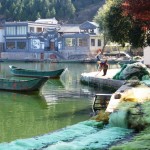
(22, 85)
(33, 73)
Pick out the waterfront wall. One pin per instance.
(27, 55)
(101, 82)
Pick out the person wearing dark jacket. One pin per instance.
(103, 66)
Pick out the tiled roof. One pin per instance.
(88, 25)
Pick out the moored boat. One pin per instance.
(22, 85)
(35, 73)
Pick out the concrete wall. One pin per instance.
(100, 82)
(33, 56)
(147, 55)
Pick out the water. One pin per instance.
(60, 103)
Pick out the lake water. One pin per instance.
(60, 103)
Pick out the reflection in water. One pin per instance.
(60, 102)
(18, 115)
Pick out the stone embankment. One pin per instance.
(97, 79)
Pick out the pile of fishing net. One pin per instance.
(137, 117)
(132, 71)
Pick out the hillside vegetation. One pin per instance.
(69, 11)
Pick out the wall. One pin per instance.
(94, 49)
(147, 55)
(1, 35)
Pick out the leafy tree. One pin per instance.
(53, 12)
(38, 15)
(118, 27)
(28, 9)
(139, 10)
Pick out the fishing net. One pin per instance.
(139, 119)
(82, 136)
(129, 71)
(119, 119)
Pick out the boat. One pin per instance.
(35, 73)
(21, 85)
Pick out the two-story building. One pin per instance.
(30, 40)
(79, 40)
(46, 39)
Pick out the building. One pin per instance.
(46, 39)
(80, 40)
(29, 39)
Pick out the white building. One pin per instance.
(147, 55)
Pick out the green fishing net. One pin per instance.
(129, 71)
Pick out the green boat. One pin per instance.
(35, 73)
(22, 85)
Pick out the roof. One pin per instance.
(70, 28)
(88, 25)
(76, 35)
(47, 21)
(31, 23)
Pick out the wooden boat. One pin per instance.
(35, 73)
(22, 85)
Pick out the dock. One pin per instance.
(98, 80)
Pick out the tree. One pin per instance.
(140, 10)
(119, 27)
(112, 24)
(100, 18)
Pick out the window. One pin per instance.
(70, 42)
(91, 30)
(10, 31)
(21, 45)
(39, 29)
(31, 29)
(82, 42)
(21, 30)
(92, 42)
(99, 42)
(10, 45)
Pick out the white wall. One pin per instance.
(94, 49)
(1, 35)
(147, 55)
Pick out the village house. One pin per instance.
(29, 40)
(79, 40)
(46, 39)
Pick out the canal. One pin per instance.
(60, 102)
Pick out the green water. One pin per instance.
(60, 102)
